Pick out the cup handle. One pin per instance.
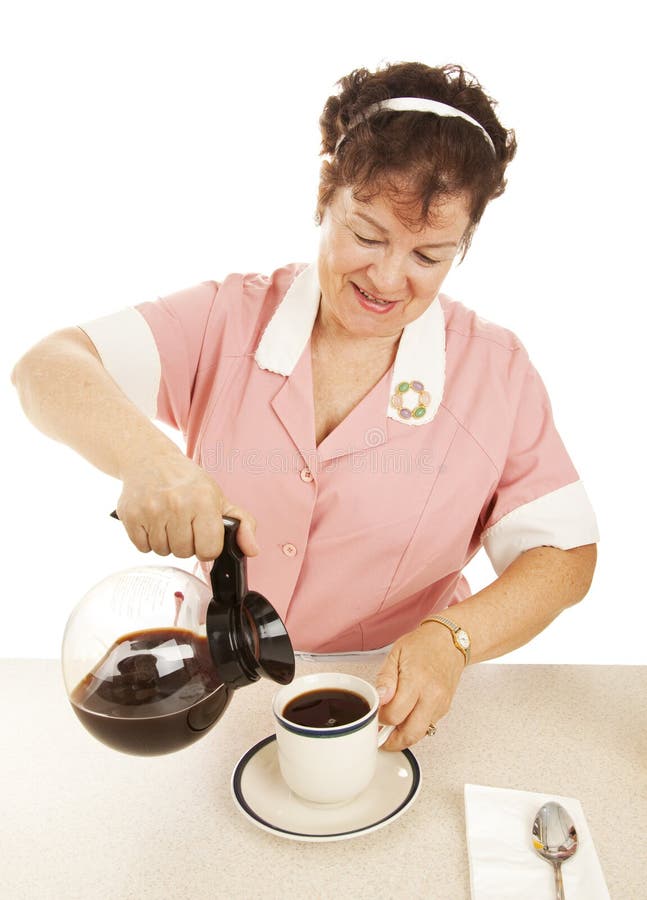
(383, 733)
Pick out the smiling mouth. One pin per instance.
(374, 299)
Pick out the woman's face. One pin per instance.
(364, 247)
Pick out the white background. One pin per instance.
(150, 146)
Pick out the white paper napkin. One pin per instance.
(503, 863)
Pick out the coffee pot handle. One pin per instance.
(229, 571)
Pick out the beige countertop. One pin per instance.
(81, 821)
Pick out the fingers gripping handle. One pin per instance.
(229, 571)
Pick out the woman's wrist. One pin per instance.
(455, 635)
(443, 637)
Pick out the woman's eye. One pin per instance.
(367, 241)
(426, 260)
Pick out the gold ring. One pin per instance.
(431, 731)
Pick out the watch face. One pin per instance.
(463, 639)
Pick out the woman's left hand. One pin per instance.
(417, 683)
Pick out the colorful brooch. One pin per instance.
(424, 399)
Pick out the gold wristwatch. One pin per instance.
(460, 637)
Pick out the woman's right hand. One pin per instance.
(170, 505)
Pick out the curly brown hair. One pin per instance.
(416, 160)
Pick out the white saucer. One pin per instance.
(264, 798)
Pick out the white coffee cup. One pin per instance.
(331, 764)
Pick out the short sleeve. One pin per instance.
(153, 350)
(539, 500)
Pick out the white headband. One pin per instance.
(415, 104)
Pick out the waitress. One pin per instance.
(370, 433)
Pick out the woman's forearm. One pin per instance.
(68, 395)
(525, 598)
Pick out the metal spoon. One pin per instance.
(555, 839)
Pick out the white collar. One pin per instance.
(420, 356)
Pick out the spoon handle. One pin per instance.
(559, 884)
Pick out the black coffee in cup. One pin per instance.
(326, 708)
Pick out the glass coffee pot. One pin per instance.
(152, 655)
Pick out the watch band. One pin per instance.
(460, 637)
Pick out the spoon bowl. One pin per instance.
(554, 838)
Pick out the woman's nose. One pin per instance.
(388, 275)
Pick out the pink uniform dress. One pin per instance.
(364, 535)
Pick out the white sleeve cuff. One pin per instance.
(129, 354)
(563, 518)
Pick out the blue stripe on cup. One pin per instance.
(335, 731)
